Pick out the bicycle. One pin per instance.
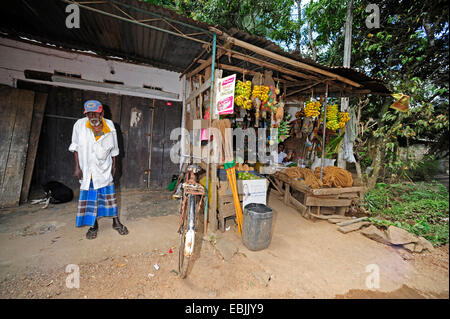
(192, 198)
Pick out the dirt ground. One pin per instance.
(305, 259)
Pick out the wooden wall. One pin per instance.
(132, 117)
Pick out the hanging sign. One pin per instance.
(225, 95)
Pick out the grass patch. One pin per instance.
(422, 209)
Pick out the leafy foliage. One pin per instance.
(422, 209)
(409, 51)
(266, 18)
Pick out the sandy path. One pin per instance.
(305, 259)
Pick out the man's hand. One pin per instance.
(113, 168)
(78, 173)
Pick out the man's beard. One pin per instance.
(95, 122)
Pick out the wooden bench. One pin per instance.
(311, 200)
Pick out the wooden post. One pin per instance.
(16, 110)
(213, 205)
(40, 101)
(287, 189)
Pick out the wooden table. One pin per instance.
(312, 200)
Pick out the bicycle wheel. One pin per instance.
(183, 261)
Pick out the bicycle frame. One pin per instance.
(190, 188)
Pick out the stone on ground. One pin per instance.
(352, 227)
(398, 236)
(226, 248)
(375, 234)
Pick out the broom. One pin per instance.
(231, 170)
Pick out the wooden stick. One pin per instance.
(283, 59)
(272, 66)
(243, 71)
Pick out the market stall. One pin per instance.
(249, 87)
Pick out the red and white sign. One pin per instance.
(225, 95)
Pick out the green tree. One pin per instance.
(409, 51)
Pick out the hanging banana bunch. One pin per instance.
(261, 92)
(242, 94)
(332, 117)
(312, 109)
(343, 118)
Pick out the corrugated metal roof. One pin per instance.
(109, 36)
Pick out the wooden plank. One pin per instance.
(349, 195)
(157, 167)
(316, 201)
(276, 186)
(206, 64)
(212, 215)
(40, 101)
(336, 191)
(205, 86)
(287, 193)
(125, 112)
(297, 185)
(229, 198)
(139, 121)
(341, 210)
(227, 210)
(297, 204)
(7, 119)
(21, 102)
(326, 217)
(172, 120)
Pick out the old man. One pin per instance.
(95, 149)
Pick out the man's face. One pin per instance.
(95, 118)
(280, 148)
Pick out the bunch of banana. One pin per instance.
(343, 118)
(242, 94)
(243, 102)
(243, 88)
(261, 92)
(312, 109)
(332, 117)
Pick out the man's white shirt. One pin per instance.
(95, 157)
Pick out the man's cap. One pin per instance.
(93, 106)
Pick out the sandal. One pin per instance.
(121, 229)
(92, 233)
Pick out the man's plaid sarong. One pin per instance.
(95, 203)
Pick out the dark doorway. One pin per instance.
(141, 148)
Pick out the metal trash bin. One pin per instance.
(257, 226)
